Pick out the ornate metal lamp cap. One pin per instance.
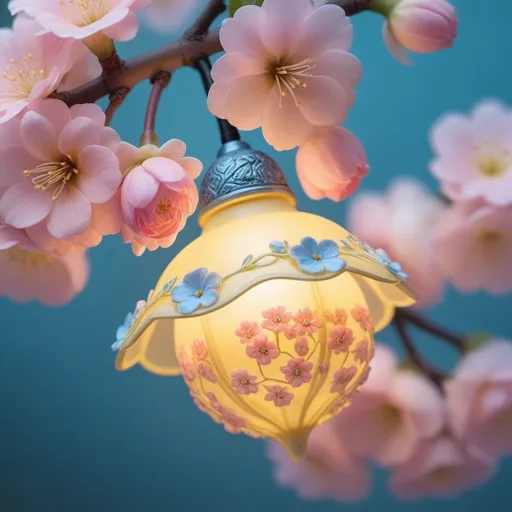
(238, 173)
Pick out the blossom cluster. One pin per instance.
(432, 445)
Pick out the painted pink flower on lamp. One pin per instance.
(286, 69)
(331, 164)
(401, 222)
(393, 412)
(479, 399)
(297, 372)
(279, 395)
(473, 154)
(158, 193)
(276, 319)
(243, 382)
(32, 67)
(342, 378)
(262, 349)
(247, 331)
(62, 165)
(341, 339)
(307, 322)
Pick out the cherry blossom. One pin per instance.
(473, 246)
(158, 193)
(28, 274)
(205, 370)
(401, 222)
(337, 317)
(84, 19)
(307, 322)
(301, 346)
(341, 338)
(362, 351)
(297, 372)
(439, 467)
(168, 15)
(262, 350)
(342, 378)
(247, 331)
(479, 399)
(331, 163)
(34, 66)
(199, 350)
(473, 154)
(279, 395)
(62, 165)
(363, 318)
(329, 470)
(286, 69)
(393, 412)
(422, 26)
(276, 319)
(243, 382)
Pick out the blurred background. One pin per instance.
(77, 436)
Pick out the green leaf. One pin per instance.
(247, 261)
(234, 5)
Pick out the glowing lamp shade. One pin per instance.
(269, 316)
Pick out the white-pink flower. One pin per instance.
(362, 351)
(82, 19)
(158, 193)
(393, 412)
(331, 163)
(401, 222)
(473, 154)
(28, 274)
(62, 164)
(247, 331)
(479, 399)
(342, 378)
(276, 319)
(167, 15)
(421, 26)
(473, 247)
(329, 470)
(341, 338)
(297, 372)
(279, 395)
(243, 382)
(32, 67)
(439, 467)
(205, 370)
(337, 317)
(262, 349)
(287, 69)
(307, 322)
(301, 346)
(198, 350)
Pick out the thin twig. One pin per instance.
(202, 24)
(160, 82)
(435, 375)
(116, 100)
(111, 64)
(351, 7)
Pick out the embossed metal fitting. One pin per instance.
(238, 172)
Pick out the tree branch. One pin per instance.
(195, 43)
(160, 82)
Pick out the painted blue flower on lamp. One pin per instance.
(122, 331)
(315, 257)
(395, 268)
(197, 290)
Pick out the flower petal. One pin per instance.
(240, 33)
(334, 264)
(70, 215)
(310, 244)
(182, 293)
(78, 134)
(195, 279)
(192, 166)
(174, 149)
(328, 249)
(188, 306)
(39, 136)
(125, 30)
(15, 159)
(311, 266)
(395, 48)
(212, 280)
(209, 298)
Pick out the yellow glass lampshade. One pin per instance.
(270, 338)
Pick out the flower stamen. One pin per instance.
(289, 78)
(52, 174)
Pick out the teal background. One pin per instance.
(76, 436)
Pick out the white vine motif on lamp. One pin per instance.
(200, 288)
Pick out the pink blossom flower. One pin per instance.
(342, 378)
(168, 15)
(422, 26)
(439, 467)
(301, 346)
(290, 332)
(199, 350)
(243, 382)
(205, 370)
(62, 165)
(247, 331)
(341, 339)
(337, 317)
(188, 368)
(297, 372)
(158, 193)
(479, 399)
(331, 163)
(276, 319)
(28, 274)
(473, 246)
(35, 66)
(329, 470)
(394, 411)
(286, 69)
(83, 19)
(362, 351)
(323, 368)
(232, 422)
(307, 322)
(279, 395)
(473, 154)
(400, 222)
(363, 318)
(261, 349)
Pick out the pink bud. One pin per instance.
(422, 26)
(331, 164)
